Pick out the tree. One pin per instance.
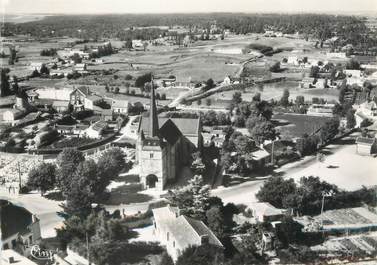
(79, 196)
(193, 200)
(145, 45)
(4, 85)
(199, 102)
(329, 130)
(275, 68)
(116, 90)
(314, 72)
(275, 189)
(111, 162)
(163, 96)
(141, 80)
(284, 101)
(236, 98)
(42, 177)
(12, 55)
(342, 93)
(215, 220)
(257, 97)
(166, 259)
(288, 231)
(209, 84)
(353, 65)
(44, 70)
(208, 102)
(76, 58)
(201, 255)
(67, 162)
(351, 120)
(243, 144)
(263, 131)
(300, 100)
(128, 44)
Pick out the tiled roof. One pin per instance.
(170, 132)
(187, 126)
(257, 155)
(14, 219)
(60, 103)
(202, 230)
(265, 208)
(100, 125)
(185, 231)
(365, 140)
(94, 97)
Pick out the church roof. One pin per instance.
(187, 126)
(170, 131)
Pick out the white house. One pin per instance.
(177, 232)
(12, 115)
(90, 100)
(324, 110)
(120, 106)
(339, 55)
(35, 66)
(96, 130)
(265, 212)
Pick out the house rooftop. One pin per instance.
(185, 230)
(60, 103)
(265, 208)
(365, 140)
(118, 103)
(99, 126)
(14, 219)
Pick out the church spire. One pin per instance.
(153, 119)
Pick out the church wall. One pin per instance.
(151, 162)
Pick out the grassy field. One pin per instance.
(296, 125)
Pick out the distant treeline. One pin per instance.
(350, 28)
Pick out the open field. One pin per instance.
(296, 125)
(275, 91)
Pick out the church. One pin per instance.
(164, 146)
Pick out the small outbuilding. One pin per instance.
(366, 146)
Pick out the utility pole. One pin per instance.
(272, 152)
(87, 247)
(19, 176)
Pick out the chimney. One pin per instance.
(204, 239)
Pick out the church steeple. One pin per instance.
(153, 118)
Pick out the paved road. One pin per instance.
(245, 192)
(126, 130)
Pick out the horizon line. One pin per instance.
(193, 12)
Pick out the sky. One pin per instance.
(186, 6)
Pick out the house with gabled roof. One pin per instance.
(19, 228)
(177, 232)
(77, 98)
(366, 145)
(120, 106)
